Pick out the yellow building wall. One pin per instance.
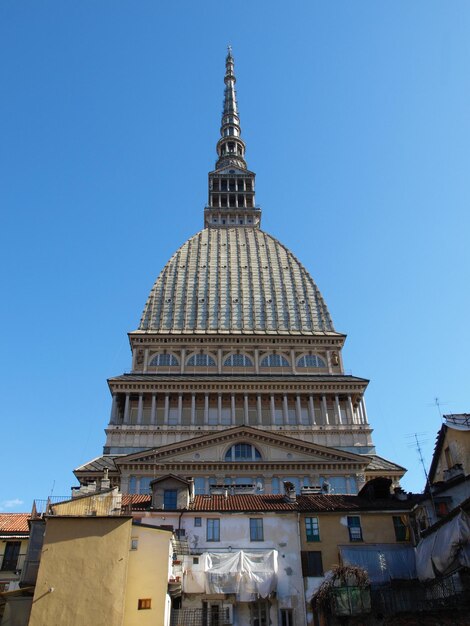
(376, 528)
(458, 443)
(83, 572)
(148, 577)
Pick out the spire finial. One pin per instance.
(230, 148)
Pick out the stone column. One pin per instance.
(285, 409)
(259, 409)
(167, 409)
(298, 406)
(146, 359)
(273, 410)
(351, 410)
(193, 409)
(126, 409)
(219, 364)
(338, 409)
(256, 361)
(219, 409)
(364, 410)
(180, 409)
(140, 408)
(292, 360)
(245, 408)
(113, 417)
(183, 359)
(311, 407)
(324, 410)
(206, 408)
(153, 412)
(232, 399)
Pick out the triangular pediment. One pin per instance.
(273, 448)
(232, 169)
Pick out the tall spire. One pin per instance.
(230, 147)
(231, 201)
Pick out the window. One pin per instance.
(164, 359)
(242, 452)
(134, 543)
(238, 360)
(170, 499)
(312, 529)
(401, 528)
(256, 529)
(287, 617)
(201, 360)
(274, 360)
(213, 530)
(354, 526)
(311, 360)
(197, 521)
(10, 556)
(195, 560)
(312, 564)
(144, 603)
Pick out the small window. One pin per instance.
(201, 360)
(144, 603)
(238, 360)
(311, 360)
(134, 543)
(312, 564)
(242, 452)
(274, 360)
(442, 509)
(401, 528)
(287, 617)
(170, 499)
(198, 521)
(160, 360)
(256, 529)
(312, 529)
(195, 560)
(354, 526)
(213, 530)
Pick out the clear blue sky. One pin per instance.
(356, 119)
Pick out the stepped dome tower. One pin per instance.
(237, 374)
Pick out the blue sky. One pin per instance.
(356, 120)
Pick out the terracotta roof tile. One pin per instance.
(242, 502)
(14, 523)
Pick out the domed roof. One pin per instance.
(235, 280)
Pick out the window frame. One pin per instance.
(213, 529)
(356, 535)
(286, 617)
(144, 604)
(174, 497)
(400, 528)
(312, 534)
(198, 522)
(312, 563)
(256, 529)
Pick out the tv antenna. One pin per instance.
(417, 443)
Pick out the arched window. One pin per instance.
(160, 360)
(311, 360)
(238, 360)
(274, 360)
(242, 452)
(201, 360)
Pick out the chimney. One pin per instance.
(289, 490)
(105, 482)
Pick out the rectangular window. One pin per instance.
(10, 556)
(287, 617)
(213, 530)
(401, 528)
(354, 526)
(312, 564)
(144, 603)
(256, 529)
(312, 529)
(198, 521)
(134, 544)
(170, 499)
